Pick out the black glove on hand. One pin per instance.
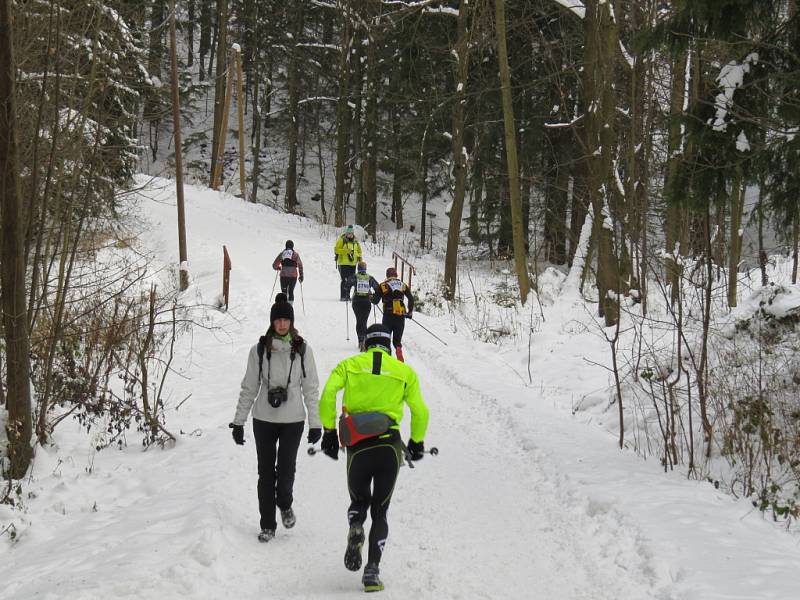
(416, 450)
(330, 444)
(237, 433)
(409, 315)
(314, 434)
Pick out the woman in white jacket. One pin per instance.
(282, 388)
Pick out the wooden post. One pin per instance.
(403, 263)
(226, 275)
(217, 178)
(240, 100)
(176, 117)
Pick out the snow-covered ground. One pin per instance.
(525, 499)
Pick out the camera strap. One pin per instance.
(261, 347)
(269, 368)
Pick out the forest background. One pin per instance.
(626, 144)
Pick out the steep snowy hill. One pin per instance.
(524, 500)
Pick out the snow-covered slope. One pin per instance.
(524, 500)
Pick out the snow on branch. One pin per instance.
(561, 125)
(576, 6)
(730, 78)
(424, 5)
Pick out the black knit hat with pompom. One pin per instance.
(281, 309)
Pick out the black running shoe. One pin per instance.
(266, 535)
(370, 579)
(352, 555)
(287, 518)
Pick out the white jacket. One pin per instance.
(303, 393)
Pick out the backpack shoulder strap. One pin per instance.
(301, 350)
(260, 348)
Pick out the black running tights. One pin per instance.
(372, 467)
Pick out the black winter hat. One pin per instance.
(379, 335)
(290, 244)
(281, 309)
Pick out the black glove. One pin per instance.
(416, 450)
(314, 434)
(237, 433)
(408, 315)
(301, 279)
(350, 256)
(330, 444)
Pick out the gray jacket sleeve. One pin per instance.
(310, 384)
(250, 387)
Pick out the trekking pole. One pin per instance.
(302, 300)
(314, 450)
(273, 286)
(407, 453)
(425, 328)
(347, 317)
(429, 331)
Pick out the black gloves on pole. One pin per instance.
(330, 444)
(237, 433)
(416, 450)
(314, 434)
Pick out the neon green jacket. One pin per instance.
(344, 250)
(365, 391)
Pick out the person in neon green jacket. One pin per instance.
(373, 382)
(347, 253)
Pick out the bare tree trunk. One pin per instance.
(369, 164)
(795, 242)
(205, 35)
(459, 154)
(762, 254)
(293, 84)
(702, 379)
(520, 257)
(12, 272)
(190, 34)
(342, 114)
(397, 182)
(256, 137)
(601, 48)
(356, 96)
(475, 201)
(735, 253)
(219, 90)
(676, 227)
(152, 107)
(423, 183)
(2, 386)
(176, 117)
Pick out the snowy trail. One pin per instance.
(522, 501)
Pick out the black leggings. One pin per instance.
(397, 324)
(361, 309)
(275, 484)
(287, 287)
(345, 271)
(372, 467)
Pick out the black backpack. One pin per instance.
(298, 347)
(288, 261)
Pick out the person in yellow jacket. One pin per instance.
(348, 254)
(376, 386)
